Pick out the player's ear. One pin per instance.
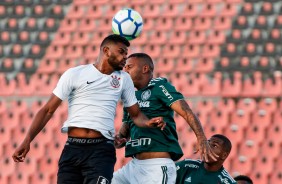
(106, 51)
(224, 155)
(146, 68)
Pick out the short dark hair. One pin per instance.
(227, 146)
(114, 38)
(144, 56)
(243, 178)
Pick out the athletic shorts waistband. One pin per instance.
(84, 141)
(153, 161)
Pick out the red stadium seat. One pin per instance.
(164, 24)
(5, 37)
(190, 10)
(7, 166)
(154, 50)
(202, 23)
(232, 87)
(211, 51)
(177, 37)
(184, 65)
(270, 145)
(3, 12)
(31, 25)
(65, 64)
(247, 104)
(47, 66)
(151, 11)
(191, 51)
(235, 133)
(276, 176)
(171, 51)
(261, 118)
(204, 65)
(241, 165)
(56, 12)
(158, 37)
(38, 11)
(68, 25)
(212, 128)
(19, 177)
(164, 65)
(54, 52)
(80, 39)
(274, 132)
(182, 23)
(263, 163)
(216, 37)
(222, 23)
(229, 10)
(48, 165)
(40, 177)
(240, 118)
(249, 149)
(196, 37)
(226, 105)
(29, 166)
(73, 52)
(94, 12)
(211, 86)
(273, 87)
(255, 132)
(75, 12)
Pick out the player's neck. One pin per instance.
(103, 67)
(143, 83)
(212, 167)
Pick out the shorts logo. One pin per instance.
(115, 81)
(102, 180)
(146, 95)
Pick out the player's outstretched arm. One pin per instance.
(183, 109)
(40, 120)
(142, 121)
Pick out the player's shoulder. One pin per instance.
(225, 177)
(190, 163)
(158, 81)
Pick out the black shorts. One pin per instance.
(87, 161)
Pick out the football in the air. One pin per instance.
(127, 23)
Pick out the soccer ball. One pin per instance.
(127, 23)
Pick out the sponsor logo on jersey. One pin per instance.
(188, 179)
(115, 81)
(223, 180)
(191, 166)
(102, 180)
(166, 93)
(139, 142)
(143, 104)
(146, 95)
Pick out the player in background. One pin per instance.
(202, 172)
(92, 91)
(242, 179)
(155, 151)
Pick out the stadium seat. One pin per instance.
(231, 87)
(61, 39)
(266, 9)
(226, 105)
(75, 12)
(19, 177)
(38, 11)
(163, 24)
(216, 37)
(7, 166)
(68, 25)
(240, 23)
(151, 11)
(5, 38)
(212, 128)
(65, 64)
(8, 85)
(274, 131)
(211, 51)
(171, 51)
(204, 65)
(19, 106)
(240, 118)
(261, 22)
(249, 149)
(73, 52)
(36, 52)
(268, 104)
(228, 10)
(16, 51)
(3, 12)
(154, 50)
(31, 25)
(271, 145)
(191, 51)
(56, 12)
(236, 36)
(54, 52)
(258, 176)
(247, 9)
(28, 66)
(241, 165)
(229, 50)
(171, 10)
(51, 25)
(261, 118)
(222, 23)
(94, 12)
(48, 165)
(219, 118)
(190, 10)
(164, 65)
(272, 87)
(29, 166)
(274, 35)
(278, 22)
(252, 86)
(247, 104)
(235, 133)
(158, 37)
(43, 39)
(196, 37)
(211, 86)
(202, 23)
(257, 36)
(255, 133)
(7, 65)
(276, 176)
(12, 24)
(271, 49)
(265, 64)
(47, 66)
(40, 177)
(80, 39)
(182, 23)
(184, 65)
(66, 2)
(24, 87)
(263, 163)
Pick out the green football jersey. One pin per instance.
(194, 172)
(155, 100)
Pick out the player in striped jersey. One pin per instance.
(200, 172)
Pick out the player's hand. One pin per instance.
(206, 152)
(21, 151)
(156, 122)
(119, 141)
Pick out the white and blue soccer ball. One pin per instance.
(127, 23)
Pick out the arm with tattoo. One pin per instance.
(122, 136)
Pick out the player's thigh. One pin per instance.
(68, 173)
(99, 166)
(155, 174)
(122, 175)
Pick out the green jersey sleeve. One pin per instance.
(167, 93)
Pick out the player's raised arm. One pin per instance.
(183, 109)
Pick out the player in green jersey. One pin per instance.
(201, 172)
(154, 151)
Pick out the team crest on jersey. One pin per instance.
(102, 180)
(146, 95)
(115, 81)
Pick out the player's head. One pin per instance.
(140, 66)
(114, 49)
(221, 146)
(242, 179)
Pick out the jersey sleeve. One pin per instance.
(125, 118)
(167, 93)
(65, 85)
(128, 95)
(180, 171)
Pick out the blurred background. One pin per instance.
(223, 55)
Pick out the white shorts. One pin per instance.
(149, 171)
